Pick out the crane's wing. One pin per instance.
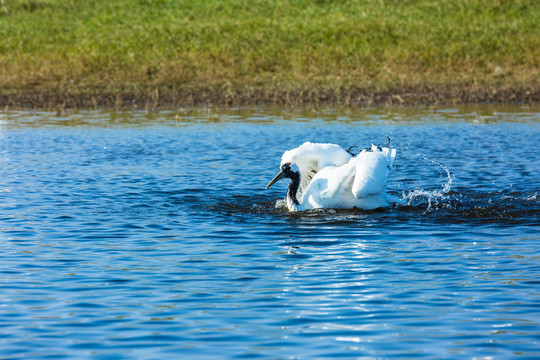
(330, 188)
(372, 170)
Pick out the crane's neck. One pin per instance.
(292, 192)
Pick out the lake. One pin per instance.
(141, 235)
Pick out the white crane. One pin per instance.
(327, 176)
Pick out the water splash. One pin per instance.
(281, 204)
(531, 197)
(433, 198)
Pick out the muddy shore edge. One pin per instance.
(167, 98)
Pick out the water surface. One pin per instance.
(134, 235)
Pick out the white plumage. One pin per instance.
(327, 176)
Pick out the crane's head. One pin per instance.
(302, 164)
(288, 170)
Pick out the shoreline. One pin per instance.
(167, 98)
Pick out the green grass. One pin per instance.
(256, 44)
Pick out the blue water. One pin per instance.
(150, 236)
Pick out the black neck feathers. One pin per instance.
(293, 186)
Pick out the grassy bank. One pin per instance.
(242, 51)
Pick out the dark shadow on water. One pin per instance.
(506, 209)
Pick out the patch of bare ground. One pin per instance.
(169, 98)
